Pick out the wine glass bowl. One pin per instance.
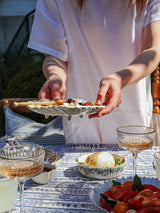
(135, 139)
(20, 162)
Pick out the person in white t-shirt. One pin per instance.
(102, 51)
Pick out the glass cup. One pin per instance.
(157, 164)
(135, 139)
(21, 162)
(8, 192)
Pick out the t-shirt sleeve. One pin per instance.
(47, 34)
(153, 11)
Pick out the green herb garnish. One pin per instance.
(109, 200)
(137, 183)
(116, 183)
(118, 161)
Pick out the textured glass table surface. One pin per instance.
(69, 191)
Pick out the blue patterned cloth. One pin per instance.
(25, 129)
(69, 191)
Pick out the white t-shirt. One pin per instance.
(102, 38)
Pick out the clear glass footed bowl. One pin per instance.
(136, 137)
(21, 161)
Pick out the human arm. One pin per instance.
(144, 64)
(54, 70)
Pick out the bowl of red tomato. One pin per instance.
(127, 195)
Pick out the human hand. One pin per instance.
(54, 88)
(109, 94)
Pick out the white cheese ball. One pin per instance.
(100, 160)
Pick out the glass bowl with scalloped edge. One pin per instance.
(47, 175)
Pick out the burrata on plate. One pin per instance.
(100, 160)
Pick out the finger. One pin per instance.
(45, 92)
(103, 112)
(63, 92)
(55, 86)
(43, 95)
(56, 95)
(102, 93)
(113, 103)
(93, 115)
(106, 101)
(109, 107)
(98, 114)
(55, 92)
(58, 92)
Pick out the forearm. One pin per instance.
(55, 73)
(53, 67)
(147, 61)
(140, 67)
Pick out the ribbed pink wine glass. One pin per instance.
(135, 139)
(21, 162)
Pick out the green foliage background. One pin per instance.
(25, 83)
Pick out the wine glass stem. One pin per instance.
(21, 191)
(135, 154)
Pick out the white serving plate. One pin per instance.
(66, 109)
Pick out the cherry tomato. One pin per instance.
(155, 202)
(155, 195)
(127, 183)
(120, 192)
(146, 201)
(114, 188)
(146, 193)
(105, 205)
(107, 193)
(149, 209)
(129, 195)
(151, 187)
(138, 202)
(120, 207)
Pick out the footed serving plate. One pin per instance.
(79, 107)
